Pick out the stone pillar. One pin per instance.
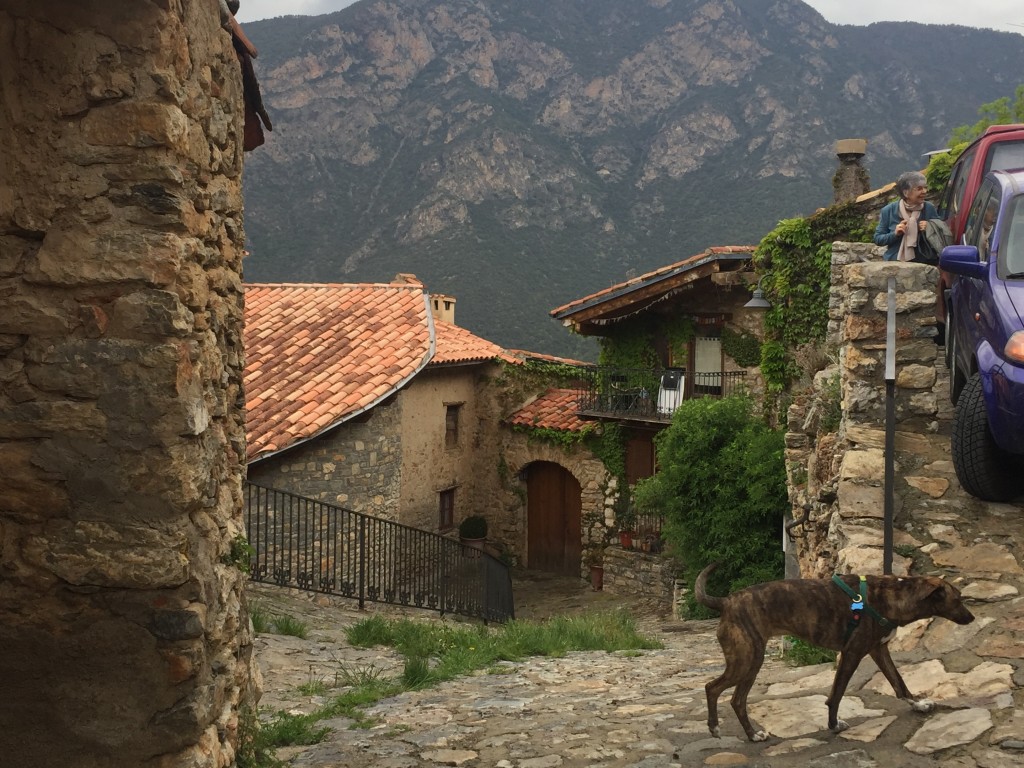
(124, 640)
(851, 179)
(841, 467)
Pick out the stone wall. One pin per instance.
(356, 466)
(836, 470)
(639, 574)
(124, 633)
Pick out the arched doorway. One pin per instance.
(553, 519)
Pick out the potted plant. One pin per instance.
(625, 518)
(473, 531)
(594, 558)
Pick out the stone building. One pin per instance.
(370, 397)
(122, 620)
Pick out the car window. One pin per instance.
(981, 218)
(1004, 156)
(1014, 239)
(955, 198)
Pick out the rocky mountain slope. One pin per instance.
(518, 154)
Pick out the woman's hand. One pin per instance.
(921, 225)
(901, 228)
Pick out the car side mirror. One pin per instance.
(963, 260)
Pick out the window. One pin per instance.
(451, 425)
(954, 197)
(707, 366)
(978, 231)
(1013, 241)
(446, 509)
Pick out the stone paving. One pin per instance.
(621, 709)
(648, 709)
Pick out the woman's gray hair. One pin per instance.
(907, 181)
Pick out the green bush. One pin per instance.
(473, 527)
(722, 491)
(800, 653)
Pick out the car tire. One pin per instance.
(982, 467)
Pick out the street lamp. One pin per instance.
(758, 301)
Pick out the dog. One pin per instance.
(820, 612)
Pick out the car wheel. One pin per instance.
(982, 467)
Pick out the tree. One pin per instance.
(999, 112)
(721, 488)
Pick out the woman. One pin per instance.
(902, 221)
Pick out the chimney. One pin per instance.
(443, 307)
(851, 180)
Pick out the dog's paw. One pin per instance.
(841, 725)
(760, 736)
(924, 706)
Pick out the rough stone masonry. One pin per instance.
(123, 637)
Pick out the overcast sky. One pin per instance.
(1005, 15)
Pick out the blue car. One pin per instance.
(986, 335)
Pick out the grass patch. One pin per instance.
(799, 653)
(435, 652)
(265, 623)
(261, 622)
(317, 687)
(288, 625)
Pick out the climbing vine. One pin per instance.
(609, 446)
(680, 330)
(743, 347)
(632, 347)
(795, 262)
(560, 438)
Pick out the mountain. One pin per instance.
(519, 154)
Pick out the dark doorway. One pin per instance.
(553, 522)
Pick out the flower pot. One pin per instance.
(626, 539)
(597, 577)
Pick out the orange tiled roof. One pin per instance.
(555, 409)
(319, 354)
(662, 272)
(457, 345)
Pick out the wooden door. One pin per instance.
(553, 519)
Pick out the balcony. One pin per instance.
(648, 394)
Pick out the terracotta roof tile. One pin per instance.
(555, 409)
(457, 345)
(318, 354)
(307, 348)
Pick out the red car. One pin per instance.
(999, 148)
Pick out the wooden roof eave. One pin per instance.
(592, 320)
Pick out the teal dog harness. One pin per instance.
(860, 605)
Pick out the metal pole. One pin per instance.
(890, 426)
(362, 561)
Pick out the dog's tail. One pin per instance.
(700, 590)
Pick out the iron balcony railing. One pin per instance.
(649, 394)
(308, 544)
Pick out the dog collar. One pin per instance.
(860, 604)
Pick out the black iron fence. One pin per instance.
(649, 394)
(308, 544)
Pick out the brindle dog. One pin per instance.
(819, 612)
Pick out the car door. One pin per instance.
(970, 293)
(953, 201)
